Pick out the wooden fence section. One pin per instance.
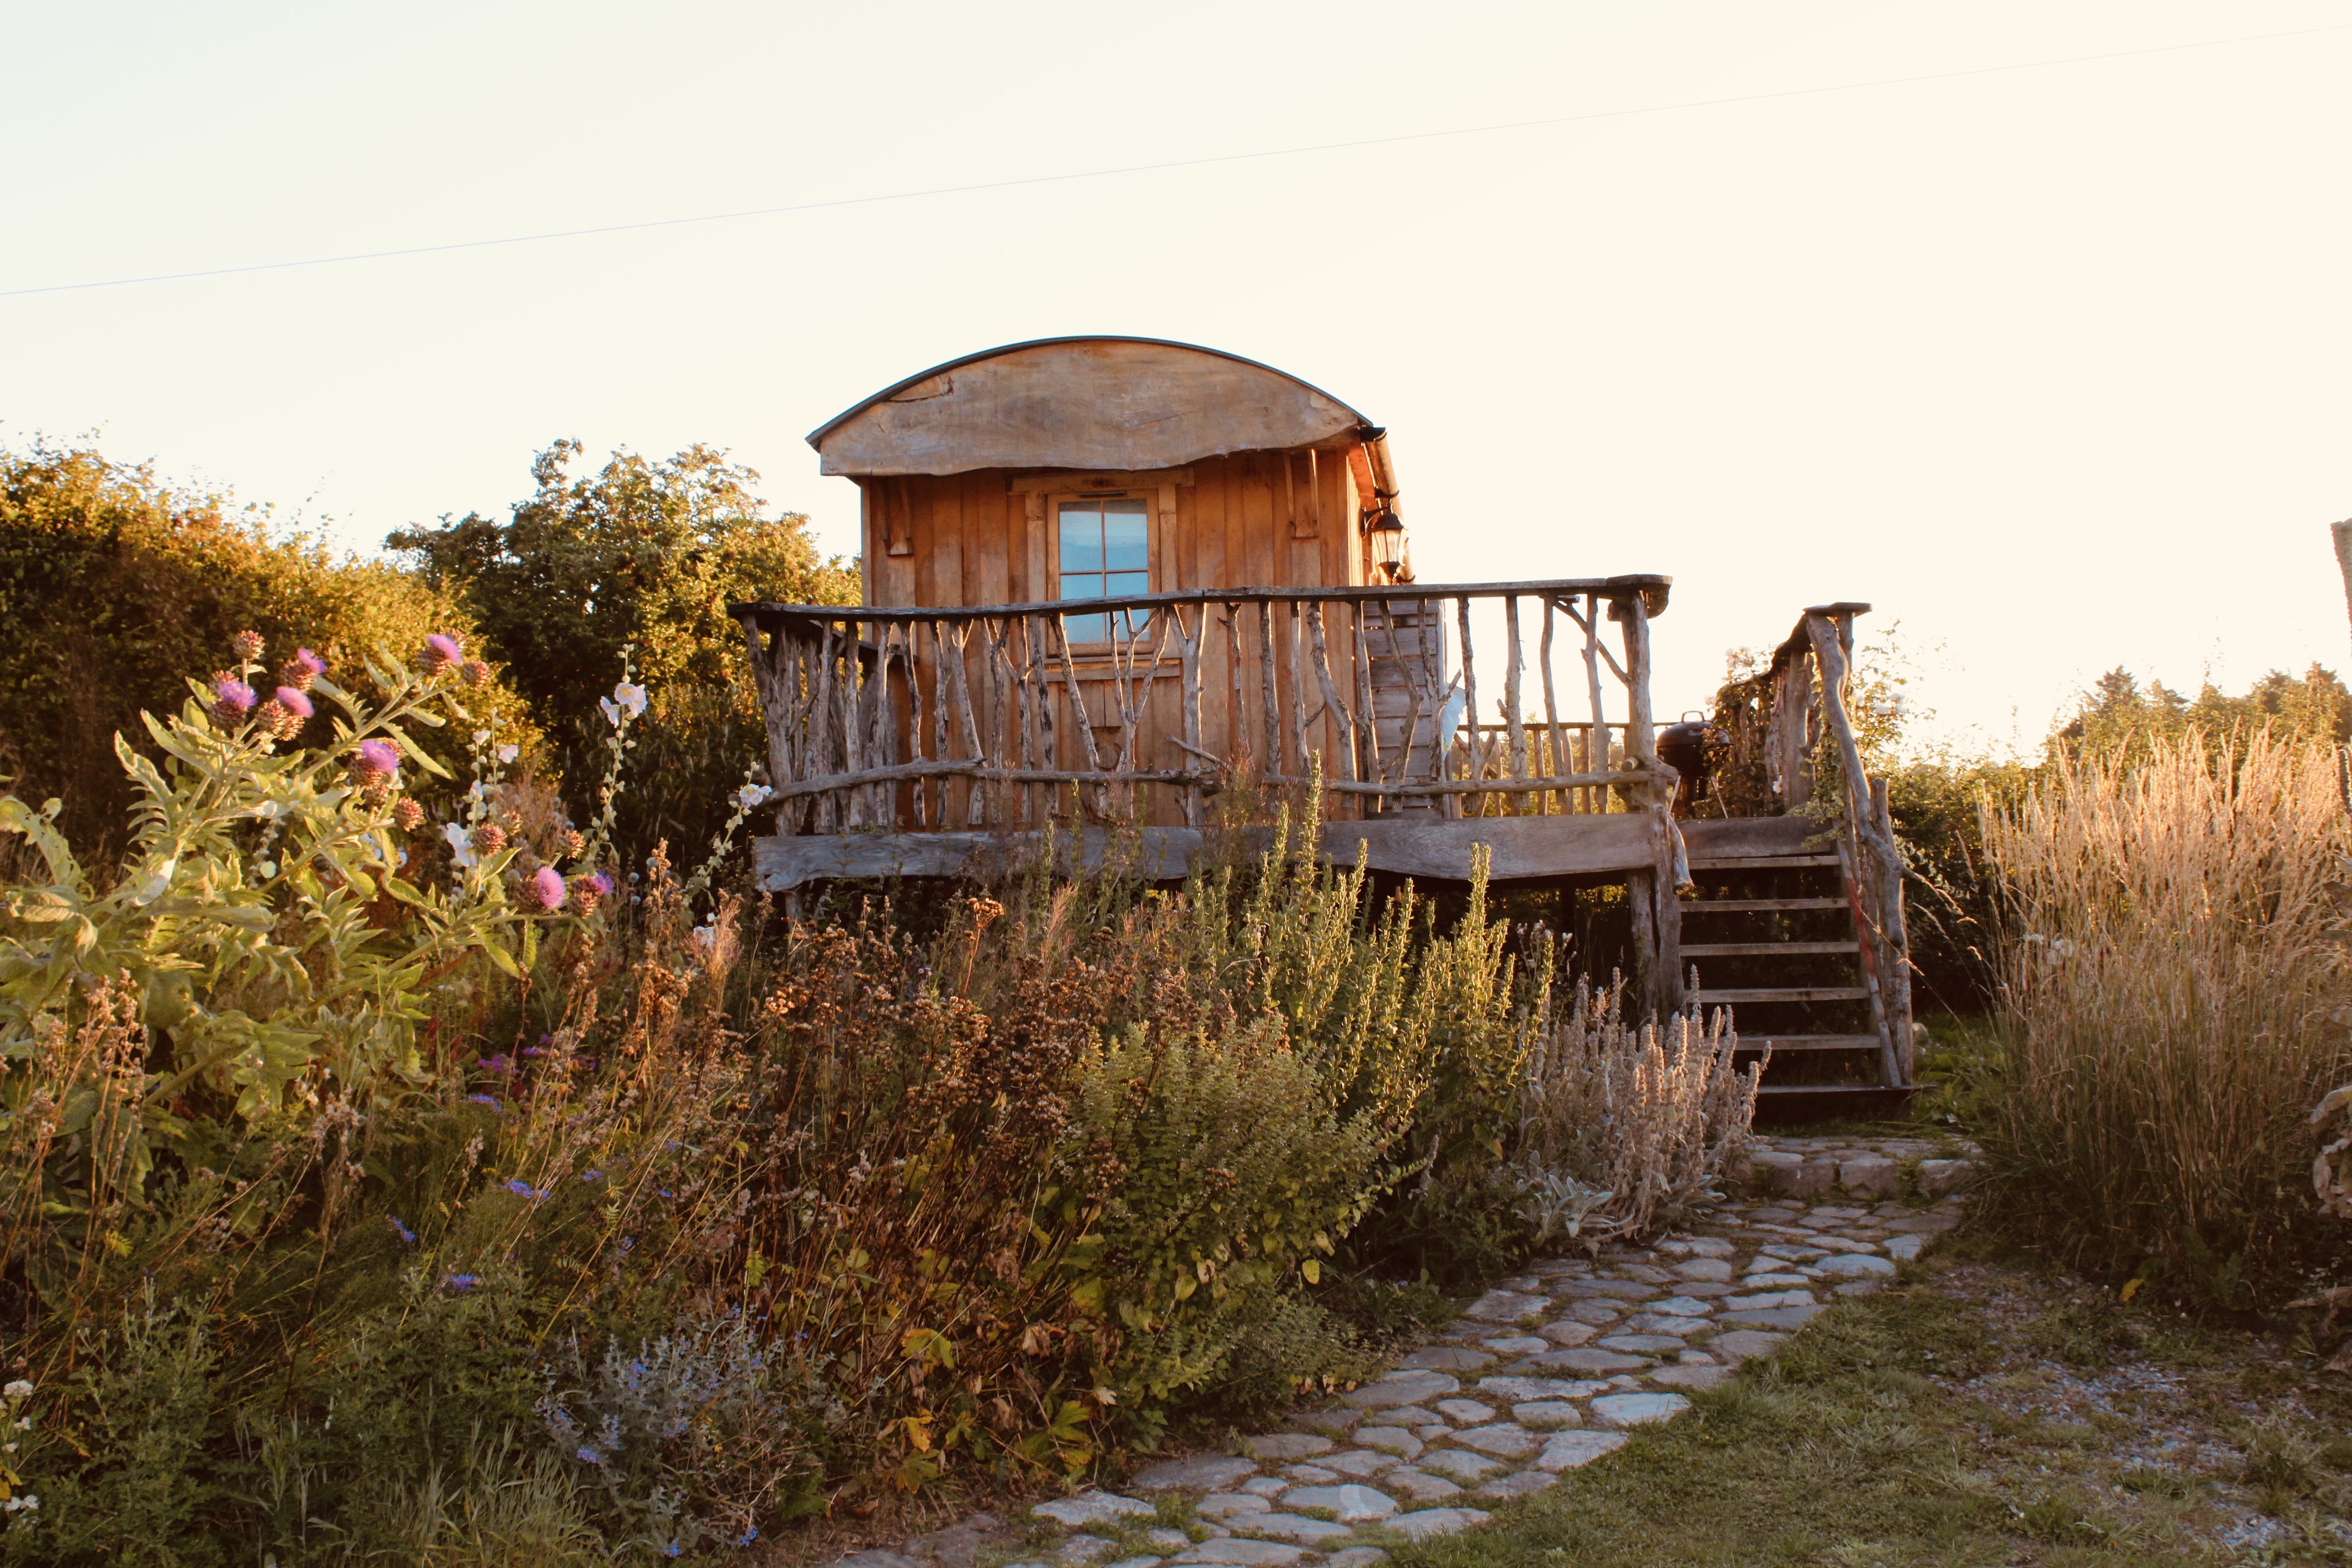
(1138, 709)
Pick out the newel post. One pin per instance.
(1662, 954)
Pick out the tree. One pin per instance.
(643, 555)
(115, 587)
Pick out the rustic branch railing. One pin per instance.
(989, 716)
(1809, 710)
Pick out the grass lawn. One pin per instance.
(1976, 1413)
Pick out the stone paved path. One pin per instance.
(1538, 1376)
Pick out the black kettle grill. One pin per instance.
(1692, 747)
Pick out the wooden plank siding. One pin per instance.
(1254, 519)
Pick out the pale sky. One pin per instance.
(2053, 364)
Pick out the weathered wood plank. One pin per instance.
(1522, 846)
(1734, 838)
(1425, 847)
(1653, 591)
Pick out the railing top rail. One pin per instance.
(1800, 641)
(1653, 589)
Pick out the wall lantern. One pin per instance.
(1385, 530)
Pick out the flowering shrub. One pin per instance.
(266, 919)
(387, 1123)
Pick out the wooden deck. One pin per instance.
(946, 743)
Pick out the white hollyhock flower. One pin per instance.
(508, 753)
(458, 846)
(157, 884)
(632, 698)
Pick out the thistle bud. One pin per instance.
(408, 816)
(490, 839)
(573, 841)
(249, 646)
(590, 890)
(303, 668)
(474, 672)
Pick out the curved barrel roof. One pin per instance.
(1082, 403)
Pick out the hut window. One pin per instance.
(1106, 551)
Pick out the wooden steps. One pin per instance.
(1763, 949)
(1796, 960)
(1809, 1042)
(1785, 994)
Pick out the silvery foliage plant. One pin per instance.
(653, 1428)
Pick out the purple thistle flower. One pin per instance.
(309, 663)
(375, 760)
(294, 702)
(441, 652)
(546, 887)
(232, 699)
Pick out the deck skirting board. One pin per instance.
(1522, 848)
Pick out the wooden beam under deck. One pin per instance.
(1521, 848)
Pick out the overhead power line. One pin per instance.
(1203, 162)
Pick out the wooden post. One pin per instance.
(1559, 761)
(1369, 717)
(2343, 532)
(1294, 634)
(1596, 743)
(1236, 715)
(1469, 702)
(1266, 686)
(1512, 729)
(1895, 970)
(1331, 703)
(1041, 686)
(1188, 702)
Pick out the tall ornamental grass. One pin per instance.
(2174, 987)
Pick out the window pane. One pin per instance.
(1105, 549)
(1082, 537)
(1125, 546)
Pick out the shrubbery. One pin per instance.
(638, 560)
(113, 585)
(374, 1190)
